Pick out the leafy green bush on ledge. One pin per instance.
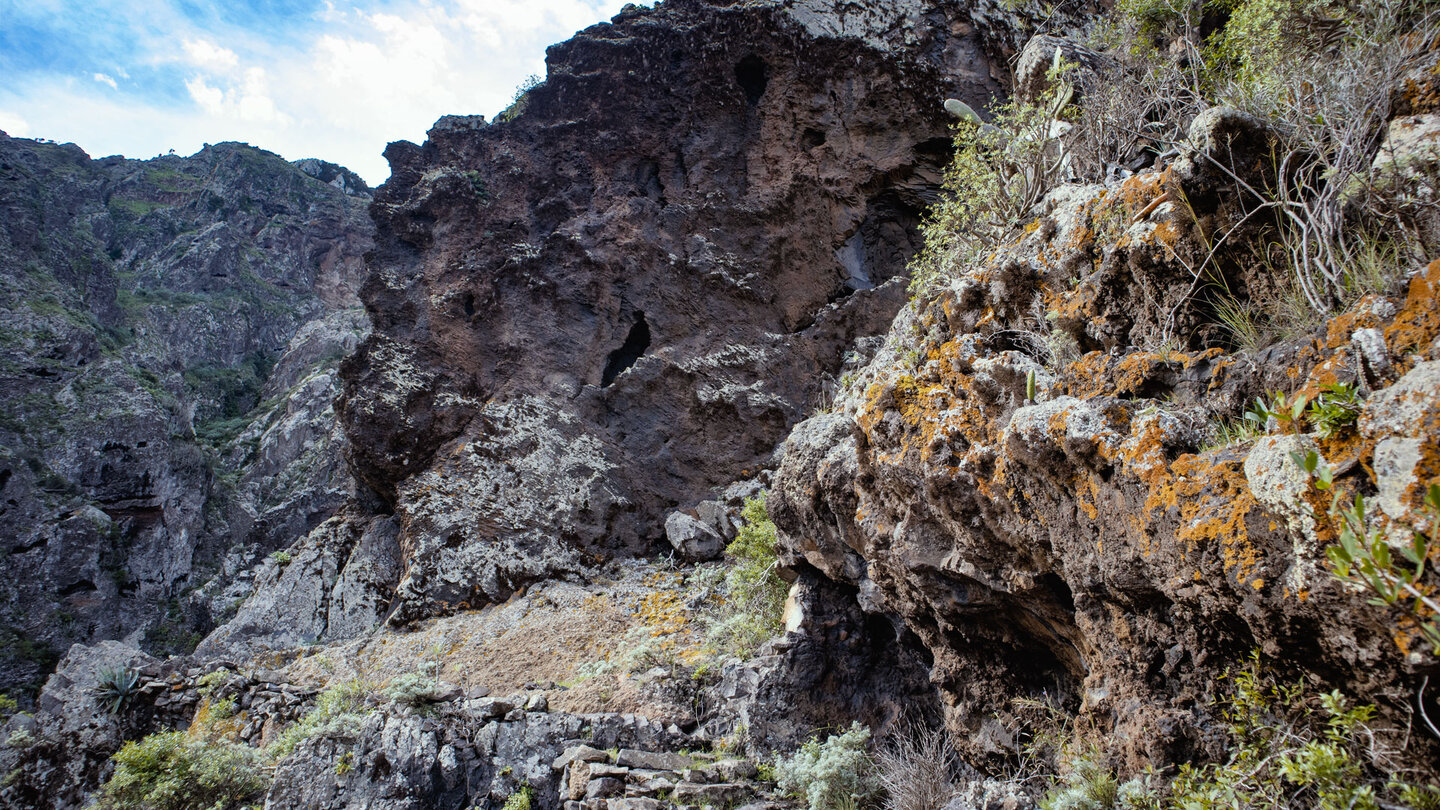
(172, 771)
(1287, 748)
(753, 610)
(836, 774)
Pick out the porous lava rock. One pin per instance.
(1073, 528)
(627, 292)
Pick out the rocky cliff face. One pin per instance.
(625, 295)
(168, 340)
(671, 277)
(1102, 546)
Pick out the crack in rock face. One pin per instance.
(628, 293)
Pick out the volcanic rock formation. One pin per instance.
(627, 292)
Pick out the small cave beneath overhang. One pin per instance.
(881, 248)
(629, 352)
(753, 76)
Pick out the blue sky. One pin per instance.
(304, 78)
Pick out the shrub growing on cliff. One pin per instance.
(754, 600)
(171, 771)
(832, 775)
(413, 690)
(1287, 748)
(1000, 171)
(1365, 560)
(337, 711)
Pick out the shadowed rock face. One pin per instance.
(627, 294)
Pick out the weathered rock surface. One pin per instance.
(595, 312)
(163, 403)
(1097, 547)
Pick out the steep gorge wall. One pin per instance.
(169, 332)
(597, 311)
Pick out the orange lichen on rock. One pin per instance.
(1418, 322)
(1214, 499)
(1206, 495)
(1140, 190)
(1099, 374)
(1365, 314)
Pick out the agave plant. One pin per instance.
(115, 686)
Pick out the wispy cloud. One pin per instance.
(336, 80)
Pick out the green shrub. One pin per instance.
(521, 100)
(833, 775)
(337, 711)
(1363, 558)
(1000, 171)
(753, 610)
(413, 690)
(522, 799)
(1335, 409)
(1286, 748)
(170, 771)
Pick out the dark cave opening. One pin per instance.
(752, 75)
(629, 352)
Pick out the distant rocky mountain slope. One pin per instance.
(168, 337)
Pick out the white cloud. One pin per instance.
(14, 125)
(104, 79)
(203, 53)
(358, 81)
(247, 100)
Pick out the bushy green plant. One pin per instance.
(1363, 557)
(413, 690)
(831, 775)
(1335, 409)
(521, 100)
(1260, 35)
(1001, 169)
(337, 711)
(1287, 748)
(1088, 786)
(170, 771)
(116, 686)
(21, 738)
(754, 599)
(521, 799)
(211, 681)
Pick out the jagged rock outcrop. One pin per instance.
(624, 296)
(1103, 547)
(169, 334)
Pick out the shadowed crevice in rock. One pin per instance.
(629, 352)
(753, 77)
